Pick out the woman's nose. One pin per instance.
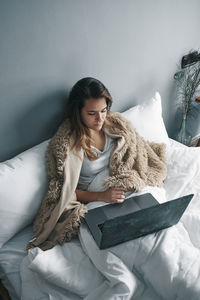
(98, 116)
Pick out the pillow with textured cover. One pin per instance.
(147, 120)
(23, 183)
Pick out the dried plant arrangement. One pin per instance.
(188, 84)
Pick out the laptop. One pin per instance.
(137, 216)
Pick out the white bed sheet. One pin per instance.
(164, 265)
(79, 270)
(13, 252)
(44, 273)
(11, 256)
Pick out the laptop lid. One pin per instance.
(136, 216)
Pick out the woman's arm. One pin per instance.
(114, 194)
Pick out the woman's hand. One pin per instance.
(114, 194)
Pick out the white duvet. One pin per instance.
(163, 265)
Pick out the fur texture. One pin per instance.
(134, 163)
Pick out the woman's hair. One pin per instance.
(84, 89)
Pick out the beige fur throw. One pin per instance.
(134, 163)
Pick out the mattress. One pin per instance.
(11, 256)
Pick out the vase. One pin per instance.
(182, 136)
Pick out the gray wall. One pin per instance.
(133, 46)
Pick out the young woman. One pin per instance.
(89, 103)
(96, 155)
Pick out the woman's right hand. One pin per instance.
(114, 195)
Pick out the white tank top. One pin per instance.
(98, 168)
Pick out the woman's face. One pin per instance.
(94, 113)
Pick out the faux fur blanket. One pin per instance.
(134, 163)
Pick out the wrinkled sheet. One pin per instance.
(164, 265)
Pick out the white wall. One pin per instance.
(133, 46)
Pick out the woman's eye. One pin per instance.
(93, 114)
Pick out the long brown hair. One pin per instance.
(86, 88)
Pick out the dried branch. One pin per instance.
(187, 88)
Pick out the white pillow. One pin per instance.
(147, 120)
(23, 183)
(183, 170)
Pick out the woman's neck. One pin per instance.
(96, 134)
(98, 139)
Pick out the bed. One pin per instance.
(163, 265)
